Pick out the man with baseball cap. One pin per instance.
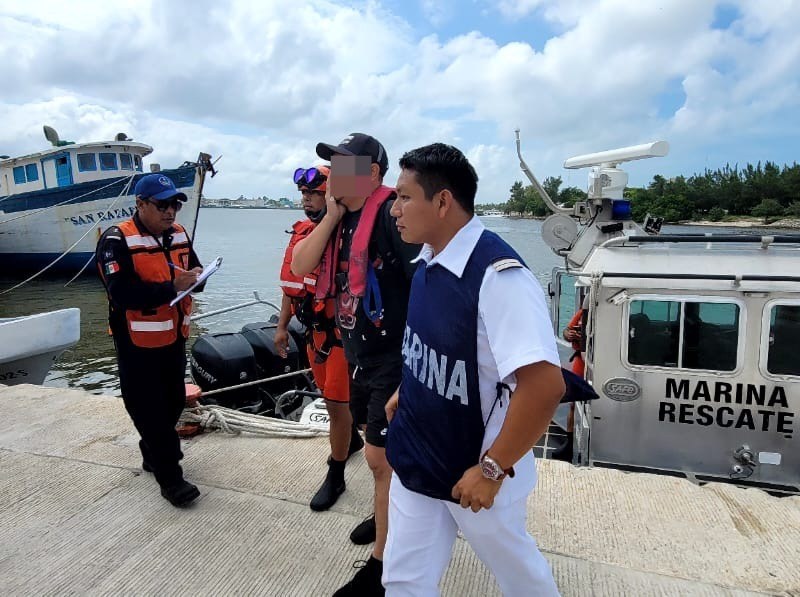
(357, 144)
(365, 265)
(144, 263)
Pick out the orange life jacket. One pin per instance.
(154, 328)
(316, 314)
(297, 287)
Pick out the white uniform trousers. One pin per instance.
(422, 531)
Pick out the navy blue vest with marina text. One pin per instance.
(437, 431)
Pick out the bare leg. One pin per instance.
(340, 427)
(382, 474)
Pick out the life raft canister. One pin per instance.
(154, 328)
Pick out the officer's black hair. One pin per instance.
(439, 166)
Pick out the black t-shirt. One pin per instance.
(366, 344)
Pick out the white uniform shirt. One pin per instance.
(514, 330)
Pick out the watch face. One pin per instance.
(490, 469)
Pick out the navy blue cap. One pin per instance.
(158, 187)
(357, 144)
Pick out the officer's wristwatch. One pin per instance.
(492, 470)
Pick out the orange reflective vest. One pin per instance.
(297, 287)
(154, 328)
(578, 366)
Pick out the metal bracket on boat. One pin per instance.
(621, 297)
(745, 463)
(737, 281)
(766, 241)
(551, 205)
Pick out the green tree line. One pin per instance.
(764, 191)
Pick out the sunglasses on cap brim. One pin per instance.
(165, 204)
(311, 178)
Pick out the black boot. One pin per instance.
(365, 532)
(332, 487)
(180, 494)
(366, 582)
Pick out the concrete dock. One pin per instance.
(78, 516)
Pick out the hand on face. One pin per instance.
(334, 209)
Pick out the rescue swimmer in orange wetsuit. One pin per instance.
(144, 262)
(323, 343)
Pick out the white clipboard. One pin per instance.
(204, 275)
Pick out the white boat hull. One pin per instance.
(30, 345)
(33, 237)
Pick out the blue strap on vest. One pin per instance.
(372, 303)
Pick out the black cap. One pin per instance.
(357, 144)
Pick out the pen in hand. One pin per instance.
(180, 269)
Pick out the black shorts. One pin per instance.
(370, 390)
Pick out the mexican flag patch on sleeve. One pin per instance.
(112, 267)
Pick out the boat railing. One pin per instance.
(257, 300)
(763, 240)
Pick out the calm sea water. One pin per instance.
(251, 243)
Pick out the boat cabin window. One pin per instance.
(564, 296)
(125, 161)
(108, 161)
(683, 334)
(86, 162)
(137, 160)
(27, 173)
(784, 331)
(32, 172)
(19, 175)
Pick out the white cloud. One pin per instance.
(262, 83)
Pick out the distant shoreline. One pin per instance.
(784, 223)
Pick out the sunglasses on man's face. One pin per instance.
(163, 206)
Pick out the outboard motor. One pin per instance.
(223, 360)
(261, 337)
(298, 332)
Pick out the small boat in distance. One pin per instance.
(56, 203)
(30, 345)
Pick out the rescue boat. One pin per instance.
(691, 340)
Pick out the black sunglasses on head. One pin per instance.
(163, 205)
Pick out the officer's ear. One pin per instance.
(139, 203)
(443, 202)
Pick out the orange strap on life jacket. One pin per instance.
(154, 328)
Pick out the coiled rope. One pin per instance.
(228, 420)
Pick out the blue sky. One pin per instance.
(262, 83)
